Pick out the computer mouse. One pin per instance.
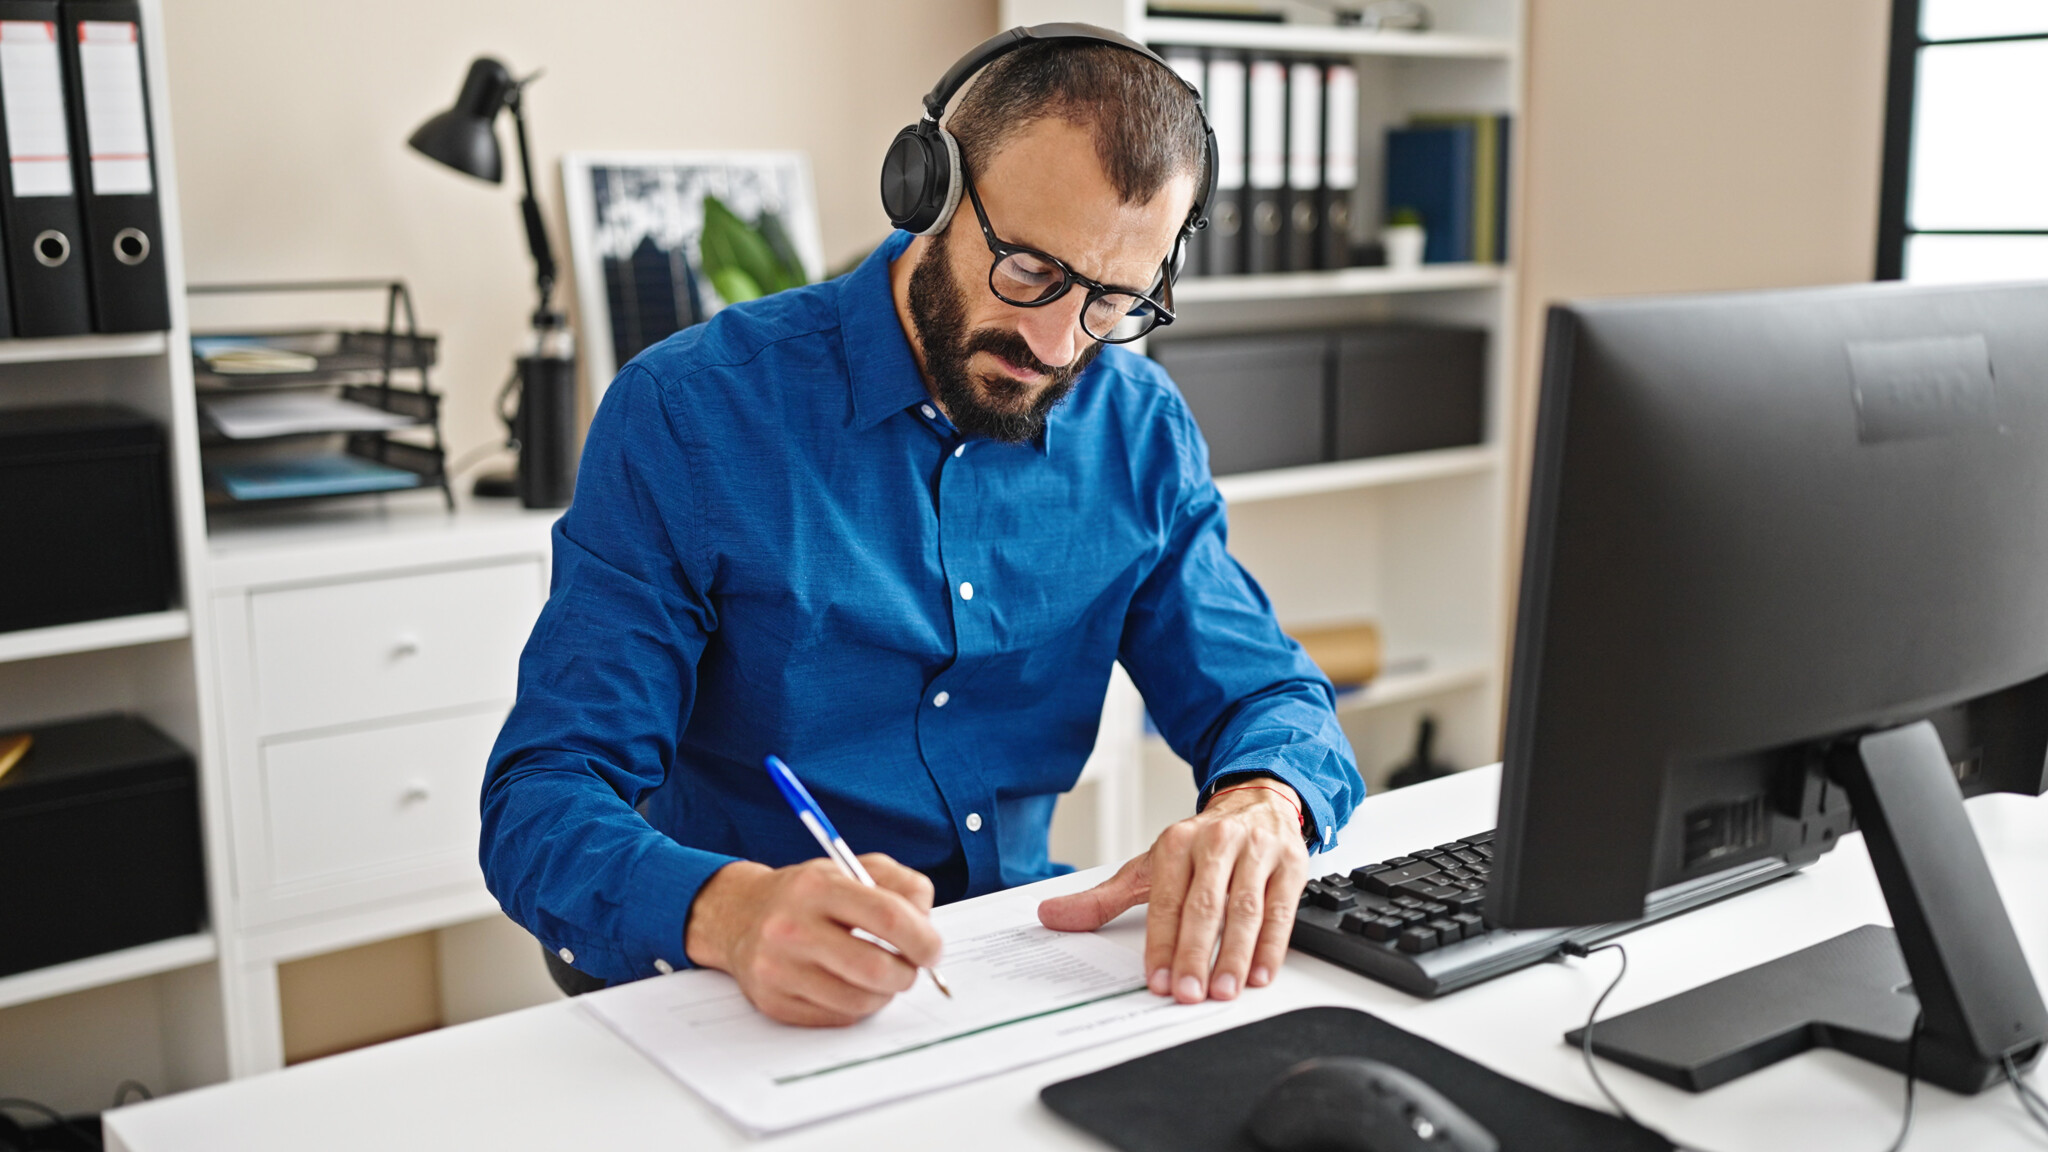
(1351, 1104)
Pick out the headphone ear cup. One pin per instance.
(948, 197)
(921, 178)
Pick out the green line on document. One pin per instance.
(796, 1076)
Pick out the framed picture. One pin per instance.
(634, 223)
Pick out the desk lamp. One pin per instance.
(465, 138)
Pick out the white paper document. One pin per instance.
(254, 415)
(1021, 994)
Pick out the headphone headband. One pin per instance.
(921, 174)
(1011, 39)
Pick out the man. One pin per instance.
(896, 528)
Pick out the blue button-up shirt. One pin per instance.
(778, 544)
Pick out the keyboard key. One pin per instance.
(1384, 929)
(1411, 915)
(1448, 931)
(1434, 909)
(1433, 892)
(1468, 901)
(1399, 861)
(1417, 939)
(1337, 880)
(1468, 856)
(1355, 922)
(1453, 846)
(1331, 898)
(1471, 923)
(1483, 838)
(1386, 883)
(1406, 901)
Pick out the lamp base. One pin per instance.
(495, 486)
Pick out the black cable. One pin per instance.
(1573, 948)
(92, 1139)
(2029, 1099)
(122, 1089)
(1912, 1065)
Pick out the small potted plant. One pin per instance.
(1403, 238)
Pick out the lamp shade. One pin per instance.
(464, 137)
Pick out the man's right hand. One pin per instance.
(786, 934)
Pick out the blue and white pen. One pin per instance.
(828, 838)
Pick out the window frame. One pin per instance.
(1902, 82)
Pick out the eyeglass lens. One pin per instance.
(1024, 278)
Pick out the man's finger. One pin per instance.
(1089, 910)
(816, 985)
(1283, 892)
(1201, 916)
(860, 963)
(889, 916)
(908, 883)
(1172, 867)
(1243, 918)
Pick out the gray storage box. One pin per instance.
(1259, 400)
(1407, 388)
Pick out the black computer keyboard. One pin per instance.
(1416, 921)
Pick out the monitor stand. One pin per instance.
(1953, 957)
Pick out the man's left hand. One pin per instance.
(1232, 872)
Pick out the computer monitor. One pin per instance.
(1787, 565)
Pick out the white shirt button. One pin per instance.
(939, 701)
(960, 449)
(974, 821)
(567, 956)
(966, 590)
(663, 966)
(930, 413)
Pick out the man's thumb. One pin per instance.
(1091, 909)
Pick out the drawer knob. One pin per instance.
(408, 645)
(417, 791)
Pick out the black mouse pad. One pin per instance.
(1197, 1096)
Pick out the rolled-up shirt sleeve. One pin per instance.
(606, 684)
(1233, 695)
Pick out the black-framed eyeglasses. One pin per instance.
(1029, 278)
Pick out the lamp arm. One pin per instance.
(544, 315)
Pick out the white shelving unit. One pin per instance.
(1414, 542)
(149, 1012)
(95, 635)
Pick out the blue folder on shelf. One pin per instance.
(1430, 171)
(310, 476)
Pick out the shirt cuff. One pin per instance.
(650, 928)
(1319, 831)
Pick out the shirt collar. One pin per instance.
(884, 376)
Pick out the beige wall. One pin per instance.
(1694, 147)
(290, 119)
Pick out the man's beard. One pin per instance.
(993, 404)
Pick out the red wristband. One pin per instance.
(1300, 816)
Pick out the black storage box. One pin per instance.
(1407, 388)
(85, 516)
(1283, 399)
(1259, 400)
(99, 843)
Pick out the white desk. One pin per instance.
(552, 1077)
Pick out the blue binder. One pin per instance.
(1430, 171)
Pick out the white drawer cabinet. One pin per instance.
(362, 711)
(365, 662)
(373, 812)
(391, 646)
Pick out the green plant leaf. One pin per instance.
(729, 245)
(777, 236)
(734, 286)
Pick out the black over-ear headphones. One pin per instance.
(921, 182)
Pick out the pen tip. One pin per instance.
(941, 984)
